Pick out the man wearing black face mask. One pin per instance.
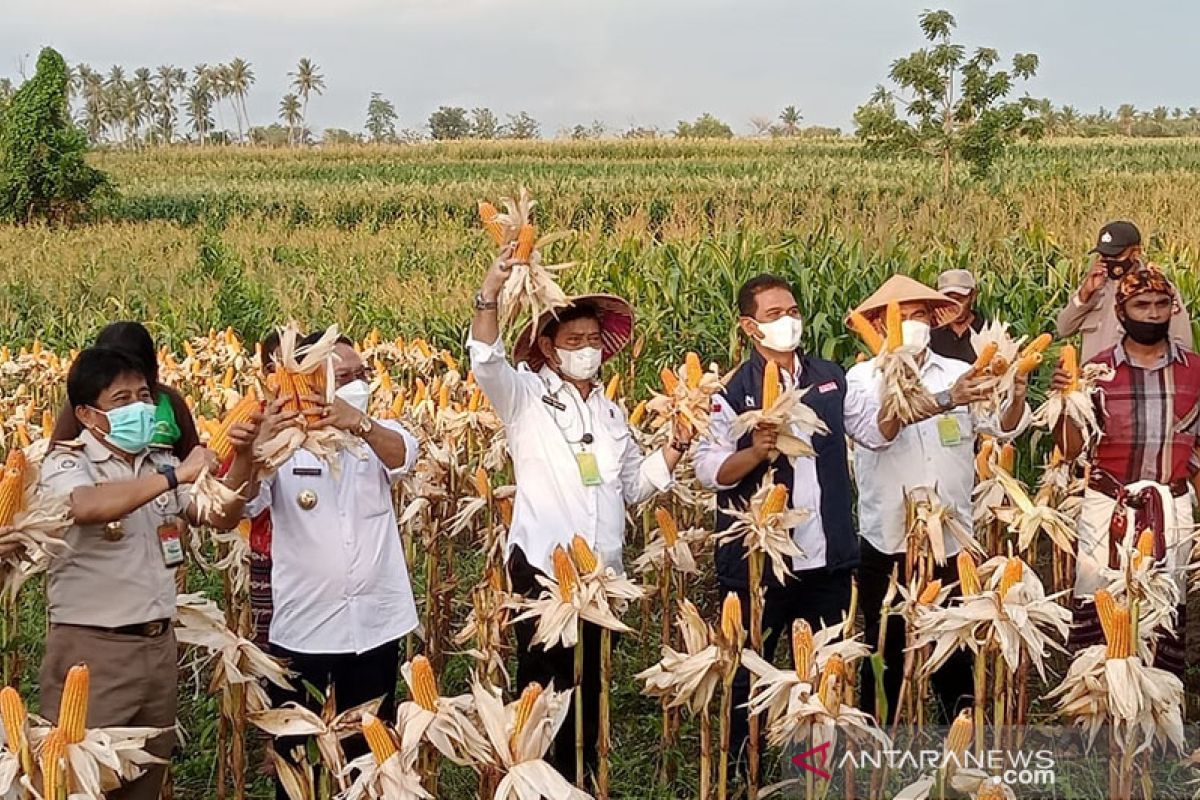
(1093, 310)
(1142, 465)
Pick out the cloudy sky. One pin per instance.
(626, 62)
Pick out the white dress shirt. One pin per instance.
(712, 452)
(885, 471)
(338, 576)
(545, 420)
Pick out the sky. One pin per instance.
(624, 62)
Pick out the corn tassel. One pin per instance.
(670, 380)
(831, 682)
(666, 526)
(585, 557)
(862, 326)
(731, 620)
(488, 214)
(72, 709)
(693, 370)
(1013, 570)
(1068, 362)
(968, 575)
(378, 737)
(984, 359)
(803, 649)
(983, 460)
(525, 238)
(962, 731)
(895, 330)
(246, 408)
(53, 760)
(424, 685)
(929, 594)
(564, 573)
(771, 385)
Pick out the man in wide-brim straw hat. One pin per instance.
(576, 463)
(892, 458)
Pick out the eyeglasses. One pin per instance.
(363, 373)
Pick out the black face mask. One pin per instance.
(1117, 268)
(1147, 333)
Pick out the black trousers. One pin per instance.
(818, 596)
(546, 665)
(953, 684)
(356, 678)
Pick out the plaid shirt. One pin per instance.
(1149, 416)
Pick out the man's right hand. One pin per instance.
(197, 461)
(1093, 282)
(497, 274)
(1059, 380)
(763, 441)
(969, 388)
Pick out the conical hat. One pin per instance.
(903, 289)
(616, 329)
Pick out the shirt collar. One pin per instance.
(1174, 354)
(554, 381)
(95, 450)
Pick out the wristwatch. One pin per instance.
(484, 305)
(944, 400)
(363, 428)
(167, 471)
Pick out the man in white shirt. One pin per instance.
(892, 459)
(575, 461)
(339, 581)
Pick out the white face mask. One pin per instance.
(356, 393)
(782, 335)
(580, 365)
(915, 333)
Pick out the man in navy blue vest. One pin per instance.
(819, 588)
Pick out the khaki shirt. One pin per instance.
(112, 575)
(1097, 321)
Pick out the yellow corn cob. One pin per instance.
(421, 393)
(895, 331)
(1013, 570)
(984, 359)
(12, 496)
(505, 507)
(670, 380)
(424, 685)
(23, 439)
(444, 397)
(775, 502)
(47, 424)
(525, 239)
(1119, 644)
(245, 408)
(488, 213)
(72, 709)
(962, 731)
(525, 708)
(614, 387)
(831, 682)
(378, 737)
(483, 487)
(6, 354)
(37, 347)
(564, 573)
(771, 385)
(1008, 457)
(1145, 547)
(449, 360)
(227, 378)
(1038, 345)
(867, 332)
(585, 557)
(693, 370)
(991, 789)
(1029, 363)
(16, 463)
(422, 347)
(475, 400)
(53, 760)
(968, 575)
(1056, 457)
(930, 592)
(15, 718)
(638, 414)
(731, 619)
(398, 404)
(1068, 362)
(983, 460)
(666, 526)
(803, 648)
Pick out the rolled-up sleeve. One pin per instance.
(1071, 317)
(495, 375)
(713, 450)
(990, 424)
(260, 502)
(643, 476)
(862, 407)
(412, 449)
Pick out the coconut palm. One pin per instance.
(198, 104)
(306, 80)
(791, 117)
(289, 112)
(240, 78)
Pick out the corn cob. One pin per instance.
(731, 620)
(999, 365)
(1145, 547)
(72, 709)
(666, 526)
(1038, 345)
(227, 378)
(929, 594)
(1104, 610)
(12, 496)
(831, 682)
(420, 393)
(1068, 362)
(991, 789)
(424, 686)
(1008, 457)
(53, 760)
(771, 385)
(983, 460)
(862, 326)
(443, 401)
(378, 737)
(16, 463)
(1014, 568)
(564, 573)
(525, 709)
(984, 359)
(962, 731)
(476, 400)
(638, 414)
(614, 387)
(488, 214)
(775, 503)
(525, 238)
(245, 408)
(968, 575)
(1114, 619)
(693, 370)
(1029, 363)
(47, 424)
(422, 347)
(670, 380)
(15, 718)
(449, 360)
(585, 557)
(483, 486)
(505, 507)
(23, 439)
(803, 648)
(895, 330)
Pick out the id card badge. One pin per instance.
(948, 431)
(172, 546)
(589, 470)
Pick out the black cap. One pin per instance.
(1115, 237)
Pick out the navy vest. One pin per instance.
(827, 398)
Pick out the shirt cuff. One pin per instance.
(412, 449)
(483, 353)
(654, 470)
(258, 503)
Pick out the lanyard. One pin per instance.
(584, 415)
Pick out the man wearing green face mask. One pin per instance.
(111, 595)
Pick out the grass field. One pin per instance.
(389, 238)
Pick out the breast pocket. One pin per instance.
(372, 491)
(611, 443)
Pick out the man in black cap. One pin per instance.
(953, 340)
(1092, 310)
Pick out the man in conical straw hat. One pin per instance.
(576, 463)
(892, 459)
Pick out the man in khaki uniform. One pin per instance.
(111, 596)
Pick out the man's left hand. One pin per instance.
(338, 414)
(682, 433)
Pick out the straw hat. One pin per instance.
(616, 329)
(903, 289)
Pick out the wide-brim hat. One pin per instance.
(903, 289)
(616, 329)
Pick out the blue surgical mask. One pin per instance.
(131, 427)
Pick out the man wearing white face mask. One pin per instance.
(892, 458)
(576, 464)
(339, 581)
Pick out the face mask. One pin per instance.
(130, 428)
(915, 333)
(355, 393)
(1117, 268)
(1147, 333)
(580, 365)
(781, 335)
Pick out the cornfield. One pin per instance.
(214, 248)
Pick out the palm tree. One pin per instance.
(218, 86)
(289, 112)
(199, 103)
(790, 118)
(168, 80)
(91, 87)
(114, 102)
(240, 78)
(306, 80)
(1126, 114)
(141, 89)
